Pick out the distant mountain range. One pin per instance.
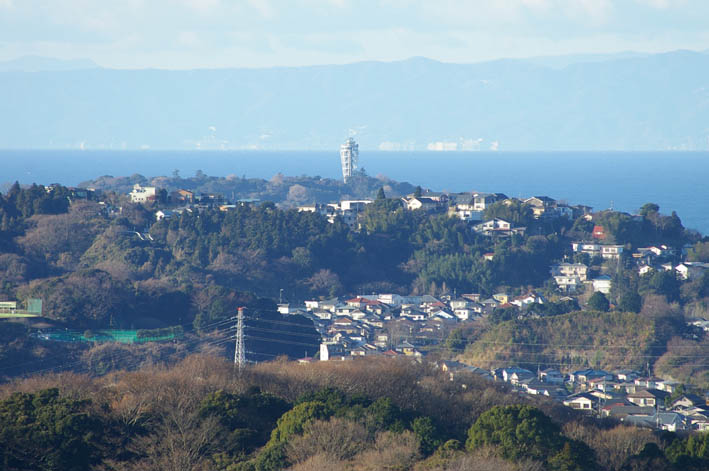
(45, 64)
(626, 101)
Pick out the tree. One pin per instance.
(513, 211)
(46, 431)
(649, 208)
(518, 431)
(418, 192)
(425, 430)
(598, 302)
(380, 194)
(664, 283)
(456, 341)
(630, 301)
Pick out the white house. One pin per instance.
(591, 248)
(611, 251)
(330, 349)
(142, 194)
(421, 202)
(163, 214)
(497, 226)
(581, 401)
(570, 269)
(602, 284)
(483, 200)
(569, 276)
(691, 270)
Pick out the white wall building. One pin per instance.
(142, 194)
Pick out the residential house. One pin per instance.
(571, 269)
(583, 376)
(366, 349)
(648, 382)
(581, 401)
(602, 284)
(670, 421)
(413, 314)
(407, 349)
(599, 232)
(590, 248)
(551, 375)
(421, 202)
(329, 350)
(465, 211)
(354, 205)
(608, 251)
(691, 270)
(381, 340)
(460, 303)
(611, 251)
(569, 277)
(687, 401)
(648, 397)
(489, 305)
(625, 409)
(163, 214)
(182, 196)
(483, 200)
(143, 194)
(514, 375)
(468, 313)
(527, 299)
(667, 385)
(498, 227)
(541, 206)
(626, 375)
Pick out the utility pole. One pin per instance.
(239, 347)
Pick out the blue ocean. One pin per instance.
(677, 181)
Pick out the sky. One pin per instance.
(187, 34)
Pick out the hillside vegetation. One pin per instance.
(607, 340)
(369, 414)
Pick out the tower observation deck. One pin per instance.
(349, 155)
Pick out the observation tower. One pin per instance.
(349, 154)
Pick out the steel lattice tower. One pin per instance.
(240, 348)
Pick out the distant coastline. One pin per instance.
(676, 180)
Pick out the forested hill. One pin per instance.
(286, 190)
(361, 415)
(94, 267)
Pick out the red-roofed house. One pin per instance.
(599, 232)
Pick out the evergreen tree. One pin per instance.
(598, 302)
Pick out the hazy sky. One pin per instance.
(181, 34)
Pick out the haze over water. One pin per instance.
(677, 181)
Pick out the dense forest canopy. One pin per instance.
(358, 415)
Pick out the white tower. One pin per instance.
(349, 154)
